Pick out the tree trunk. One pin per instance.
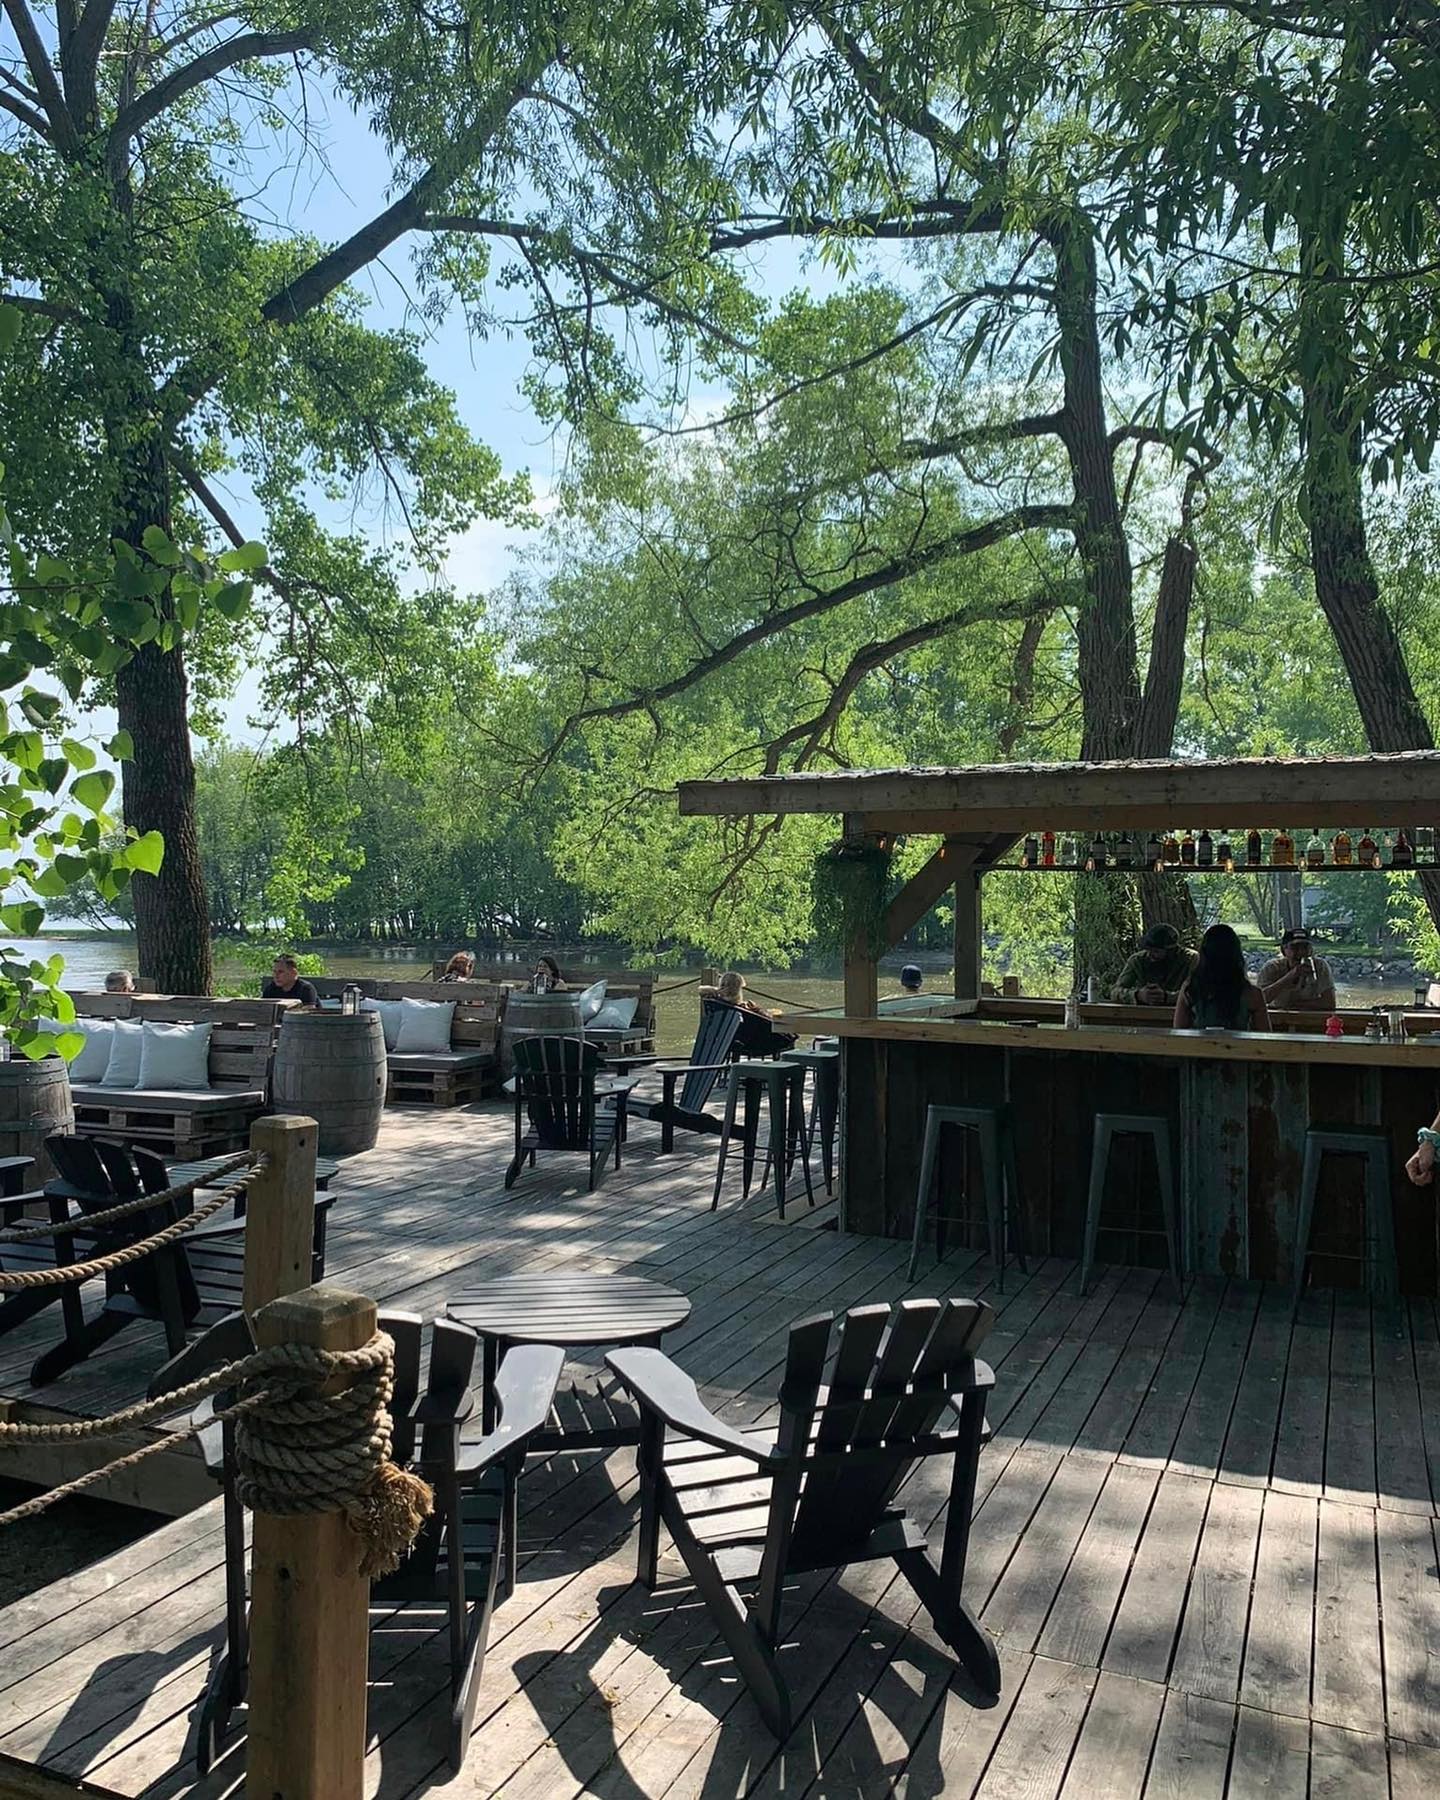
(1345, 581)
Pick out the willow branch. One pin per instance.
(248, 46)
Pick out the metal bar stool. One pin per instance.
(824, 1067)
(1382, 1275)
(997, 1173)
(1109, 1126)
(782, 1086)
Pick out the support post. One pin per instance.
(280, 1210)
(709, 977)
(862, 987)
(310, 1605)
(967, 935)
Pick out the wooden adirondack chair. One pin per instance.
(183, 1287)
(557, 1108)
(465, 1556)
(712, 1054)
(821, 1491)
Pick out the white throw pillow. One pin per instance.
(591, 1000)
(424, 1027)
(616, 1015)
(92, 1062)
(174, 1056)
(123, 1068)
(389, 1011)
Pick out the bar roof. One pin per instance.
(998, 799)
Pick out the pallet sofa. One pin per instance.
(620, 984)
(186, 1123)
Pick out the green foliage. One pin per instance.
(852, 891)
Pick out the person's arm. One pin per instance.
(1278, 991)
(1325, 1000)
(1259, 1011)
(1184, 1019)
(1421, 1166)
(1124, 989)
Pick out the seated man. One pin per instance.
(1296, 980)
(1157, 971)
(287, 983)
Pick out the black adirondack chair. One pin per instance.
(464, 1559)
(557, 1108)
(695, 1081)
(183, 1287)
(859, 1406)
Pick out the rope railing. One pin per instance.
(64, 1274)
(299, 1448)
(24, 1234)
(674, 987)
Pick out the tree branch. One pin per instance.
(80, 57)
(62, 126)
(320, 280)
(47, 309)
(926, 219)
(248, 46)
(956, 544)
(27, 116)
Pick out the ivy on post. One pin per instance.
(852, 895)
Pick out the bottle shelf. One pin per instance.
(1297, 868)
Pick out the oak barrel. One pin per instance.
(535, 1015)
(34, 1104)
(331, 1067)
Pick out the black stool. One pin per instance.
(782, 1084)
(997, 1173)
(1109, 1126)
(824, 1066)
(1382, 1275)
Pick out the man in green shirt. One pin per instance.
(1157, 971)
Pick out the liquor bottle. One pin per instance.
(1403, 855)
(1154, 851)
(1386, 857)
(1225, 854)
(1099, 855)
(1254, 849)
(1073, 858)
(1340, 849)
(1187, 849)
(1125, 852)
(1369, 855)
(1030, 855)
(1172, 850)
(1047, 850)
(1315, 852)
(1282, 850)
(1205, 850)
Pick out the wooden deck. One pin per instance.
(1205, 1541)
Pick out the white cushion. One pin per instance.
(92, 1062)
(389, 1011)
(174, 1056)
(425, 1027)
(616, 1015)
(591, 1000)
(123, 1068)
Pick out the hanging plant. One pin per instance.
(851, 894)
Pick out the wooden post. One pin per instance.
(280, 1210)
(967, 936)
(310, 1605)
(709, 977)
(862, 987)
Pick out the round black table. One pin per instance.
(573, 1311)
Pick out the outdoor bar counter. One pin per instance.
(1238, 1103)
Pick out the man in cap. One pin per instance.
(1297, 980)
(1157, 971)
(911, 979)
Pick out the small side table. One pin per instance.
(575, 1312)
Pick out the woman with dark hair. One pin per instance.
(1218, 995)
(547, 978)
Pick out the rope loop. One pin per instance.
(298, 1448)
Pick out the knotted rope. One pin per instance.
(12, 1280)
(299, 1449)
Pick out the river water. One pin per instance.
(87, 960)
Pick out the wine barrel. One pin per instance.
(34, 1104)
(535, 1015)
(331, 1067)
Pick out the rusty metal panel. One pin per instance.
(1215, 1167)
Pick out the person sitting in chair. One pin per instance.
(119, 981)
(757, 1035)
(461, 967)
(287, 983)
(547, 978)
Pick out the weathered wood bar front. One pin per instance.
(1238, 1104)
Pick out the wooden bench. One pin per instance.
(180, 1122)
(620, 984)
(470, 1069)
